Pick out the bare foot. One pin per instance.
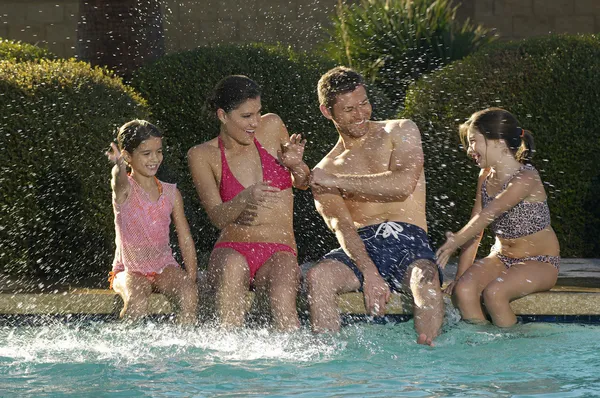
(423, 339)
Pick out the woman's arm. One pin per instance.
(222, 213)
(290, 151)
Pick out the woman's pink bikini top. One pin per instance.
(273, 171)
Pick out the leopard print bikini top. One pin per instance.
(525, 218)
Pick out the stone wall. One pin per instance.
(191, 23)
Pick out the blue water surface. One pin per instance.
(365, 360)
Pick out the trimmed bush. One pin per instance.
(176, 87)
(16, 51)
(393, 42)
(58, 118)
(551, 85)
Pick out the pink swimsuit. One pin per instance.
(256, 253)
(142, 231)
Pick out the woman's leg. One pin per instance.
(135, 290)
(176, 285)
(519, 280)
(229, 277)
(279, 278)
(466, 295)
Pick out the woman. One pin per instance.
(244, 179)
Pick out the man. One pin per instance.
(370, 190)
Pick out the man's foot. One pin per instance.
(423, 339)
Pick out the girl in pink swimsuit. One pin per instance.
(244, 179)
(511, 199)
(144, 208)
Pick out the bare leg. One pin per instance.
(229, 271)
(428, 306)
(135, 290)
(279, 276)
(325, 281)
(175, 284)
(467, 291)
(517, 281)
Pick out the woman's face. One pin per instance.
(241, 123)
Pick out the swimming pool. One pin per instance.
(95, 358)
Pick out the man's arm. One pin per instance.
(332, 208)
(396, 184)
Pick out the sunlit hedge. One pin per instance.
(394, 42)
(176, 87)
(15, 51)
(57, 118)
(551, 85)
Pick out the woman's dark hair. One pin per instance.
(132, 133)
(231, 92)
(499, 124)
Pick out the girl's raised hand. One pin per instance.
(113, 154)
(445, 251)
(292, 152)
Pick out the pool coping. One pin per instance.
(561, 301)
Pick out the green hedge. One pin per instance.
(176, 87)
(16, 51)
(551, 85)
(394, 42)
(57, 118)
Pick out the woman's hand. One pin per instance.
(259, 197)
(450, 288)
(445, 251)
(292, 152)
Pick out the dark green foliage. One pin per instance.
(393, 42)
(551, 85)
(58, 118)
(15, 51)
(176, 87)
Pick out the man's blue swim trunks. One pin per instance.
(392, 246)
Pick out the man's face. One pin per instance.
(351, 112)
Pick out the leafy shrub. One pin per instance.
(550, 85)
(393, 42)
(176, 87)
(57, 118)
(15, 51)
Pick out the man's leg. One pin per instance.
(325, 281)
(428, 306)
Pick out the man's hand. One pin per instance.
(292, 152)
(376, 293)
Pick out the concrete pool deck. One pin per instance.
(577, 294)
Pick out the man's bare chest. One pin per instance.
(360, 162)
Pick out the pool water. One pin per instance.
(365, 360)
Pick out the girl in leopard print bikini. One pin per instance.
(511, 199)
